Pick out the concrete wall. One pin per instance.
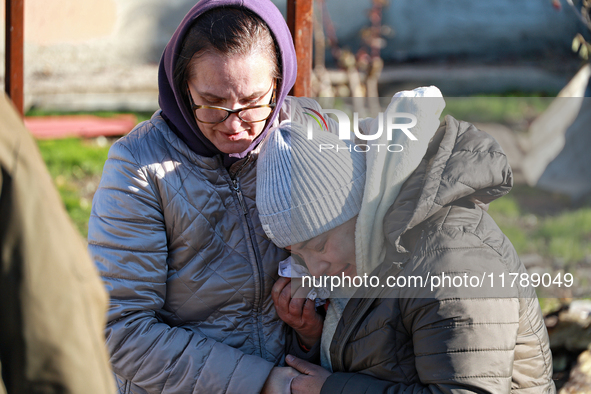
(85, 35)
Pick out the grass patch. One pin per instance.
(505, 110)
(507, 207)
(568, 235)
(564, 233)
(76, 166)
(73, 158)
(549, 305)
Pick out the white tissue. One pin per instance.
(290, 269)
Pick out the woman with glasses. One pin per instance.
(174, 229)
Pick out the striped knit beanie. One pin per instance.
(306, 187)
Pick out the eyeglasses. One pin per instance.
(211, 114)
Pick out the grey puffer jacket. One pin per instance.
(178, 243)
(451, 339)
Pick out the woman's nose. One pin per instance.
(233, 122)
(316, 268)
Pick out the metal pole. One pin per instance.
(13, 76)
(300, 21)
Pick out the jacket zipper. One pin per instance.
(236, 187)
(236, 184)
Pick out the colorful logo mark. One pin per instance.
(316, 119)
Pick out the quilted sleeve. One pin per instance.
(128, 243)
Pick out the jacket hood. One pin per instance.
(178, 114)
(388, 171)
(461, 163)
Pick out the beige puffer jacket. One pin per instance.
(448, 340)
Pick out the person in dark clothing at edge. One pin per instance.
(420, 211)
(174, 230)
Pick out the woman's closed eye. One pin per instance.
(222, 103)
(252, 101)
(212, 101)
(320, 246)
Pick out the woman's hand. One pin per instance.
(279, 380)
(312, 378)
(297, 311)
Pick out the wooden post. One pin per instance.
(13, 76)
(300, 21)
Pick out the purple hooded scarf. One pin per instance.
(178, 114)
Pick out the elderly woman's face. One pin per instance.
(330, 253)
(231, 82)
